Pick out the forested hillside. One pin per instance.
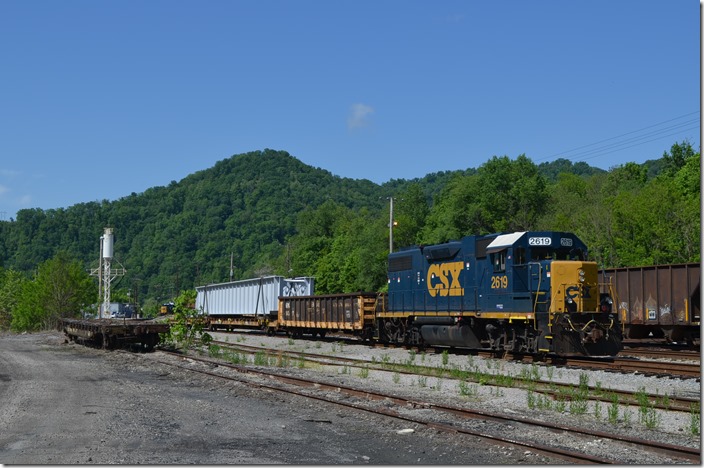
(276, 215)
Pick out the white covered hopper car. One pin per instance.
(251, 303)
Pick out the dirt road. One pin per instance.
(66, 404)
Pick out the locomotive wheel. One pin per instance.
(394, 331)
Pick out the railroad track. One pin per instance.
(651, 368)
(406, 410)
(662, 354)
(555, 390)
(616, 364)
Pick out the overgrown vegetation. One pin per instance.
(275, 215)
(187, 325)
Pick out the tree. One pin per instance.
(504, 195)
(61, 288)
(410, 211)
(677, 157)
(11, 283)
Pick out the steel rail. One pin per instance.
(687, 453)
(630, 398)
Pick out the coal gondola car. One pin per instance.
(531, 292)
(659, 301)
(351, 314)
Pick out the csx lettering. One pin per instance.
(444, 279)
(573, 292)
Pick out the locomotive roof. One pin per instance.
(504, 240)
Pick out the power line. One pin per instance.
(631, 142)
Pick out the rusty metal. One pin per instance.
(662, 300)
(110, 334)
(332, 312)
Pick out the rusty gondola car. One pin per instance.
(660, 301)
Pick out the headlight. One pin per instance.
(581, 275)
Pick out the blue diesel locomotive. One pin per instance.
(524, 292)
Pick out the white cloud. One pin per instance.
(359, 116)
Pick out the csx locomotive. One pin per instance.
(524, 292)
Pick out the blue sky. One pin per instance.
(99, 99)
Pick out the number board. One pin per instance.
(539, 241)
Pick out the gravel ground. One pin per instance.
(68, 404)
(672, 427)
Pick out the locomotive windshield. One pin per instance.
(562, 253)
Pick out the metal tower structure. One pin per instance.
(105, 272)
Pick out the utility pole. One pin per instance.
(392, 223)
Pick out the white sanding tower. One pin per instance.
(105, 272)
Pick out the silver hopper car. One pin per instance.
(250, 303)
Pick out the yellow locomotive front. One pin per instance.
(580, 317)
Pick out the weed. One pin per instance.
(550, 370)
(627, 417)
(531, 399)
(598, 391)
(612, 410)
(584, 383)
(396, 377)
(695, 418)
(364, 372)
(560, 406)
(665, 401)
(422, 381)
(237, 358)
(545, 402)
(260, 359)
(291, 342)
(642, 398)
(651, 418)
(445, 357)
(468, 390)
(597, 410)
(578, 405)
(213, 350)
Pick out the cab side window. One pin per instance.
(498, 259)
